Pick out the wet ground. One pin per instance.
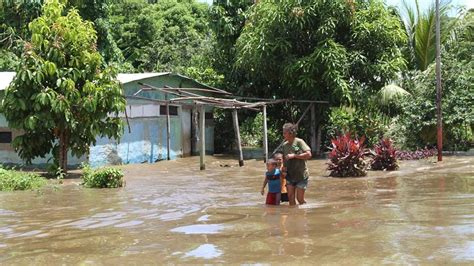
(171, 212)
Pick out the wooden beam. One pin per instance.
(265, 133)
(202, 128)
(237, 136)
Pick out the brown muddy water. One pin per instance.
(172, 213)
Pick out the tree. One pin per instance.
(62, 96)
(420, 29)
(339, 51)
(14, 18)
(418, 120)
(164, 36)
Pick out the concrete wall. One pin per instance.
(9, 156)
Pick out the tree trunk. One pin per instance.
(63, 151)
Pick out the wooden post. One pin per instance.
(313, 129)
(237, 136)
(168, 130)
(439, 118)
(318, 142)
(265, 133)
(202, 137)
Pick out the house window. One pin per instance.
(173, 110)
(5, 137)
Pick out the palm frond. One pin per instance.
(389, 93)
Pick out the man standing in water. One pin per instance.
(296, 152)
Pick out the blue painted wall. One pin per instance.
(146, 143)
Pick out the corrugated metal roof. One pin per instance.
(5, 79)
(126, 78)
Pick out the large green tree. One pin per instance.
(62, 96)
(164, 36)
(322, 50)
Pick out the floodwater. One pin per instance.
(170, 212)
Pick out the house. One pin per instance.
(145, 138)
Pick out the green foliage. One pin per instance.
(11, 180)
(420, 27)
(227, 19)
(8, 60)
(164, 36)
(367, 122)
(418, 120)
(321, 50)
(102, 178)
(62, 96)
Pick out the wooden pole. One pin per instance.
(202, 137)
(318, 142)
(265, 134)
(168, 131)
(237, 136)
(438, 87)
(313, 129)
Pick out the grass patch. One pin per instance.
(11, 180)
(102, 178)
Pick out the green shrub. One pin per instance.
(366, 121)
(102, 178)
(11, 180)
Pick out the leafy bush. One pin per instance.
(102, 178)
(385, 156)
(366, 121)
(11, 180)
(347, 157)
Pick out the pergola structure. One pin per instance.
(190, 97)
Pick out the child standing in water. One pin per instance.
(278, 157)
(272, 178)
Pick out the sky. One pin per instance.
(423, 3)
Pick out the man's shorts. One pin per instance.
(303, 184)
(273, 198)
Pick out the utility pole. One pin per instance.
(438, 86)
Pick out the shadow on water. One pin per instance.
(171, 212)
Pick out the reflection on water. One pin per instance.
(206, 251)
(199, 229)
(171, 212)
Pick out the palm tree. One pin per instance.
(420, 29)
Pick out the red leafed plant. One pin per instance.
(347, 157)
(385, 156)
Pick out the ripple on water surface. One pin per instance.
(199, 229)
(206, 251)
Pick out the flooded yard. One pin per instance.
(170, 212)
